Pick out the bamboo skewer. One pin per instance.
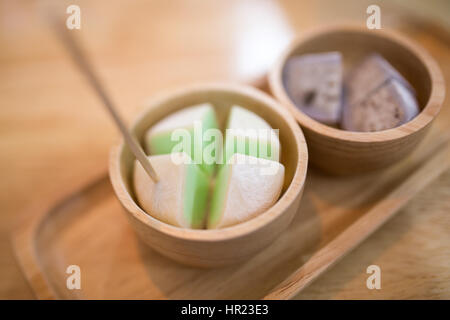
(86, 68)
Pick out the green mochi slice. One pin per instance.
(163, 137)
(195, 196)
(219, 195)
(245, 187)
(179, 198)
(249, 134)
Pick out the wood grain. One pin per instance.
(365, 226)
(50, 122)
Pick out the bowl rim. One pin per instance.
(423, 119)
(293, 191)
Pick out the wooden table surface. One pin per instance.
(53, 132)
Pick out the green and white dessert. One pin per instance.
(163, 137)
(179, 197)
(244, 188)
(249, 134)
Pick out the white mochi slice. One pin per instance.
(244, 188)
(247, 133)
(179, 197)
(314, 83)
(159, 140)
(180, 119)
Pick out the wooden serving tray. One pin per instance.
(89, 229)
(86, 227)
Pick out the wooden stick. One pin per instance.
(86, 68)
(326, 257)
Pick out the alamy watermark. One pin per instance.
(74, 20)
(374, 20)
(73, 281)
(374, 280)
(207, 147)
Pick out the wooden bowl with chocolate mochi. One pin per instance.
(364, 98)
(231, 242)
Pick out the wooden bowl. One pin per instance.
(344, 152)
(209, 248)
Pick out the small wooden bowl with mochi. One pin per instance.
(180, 238)
(379, 70)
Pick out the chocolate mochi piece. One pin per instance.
(314, 83)
(371, 73)
(388, 106)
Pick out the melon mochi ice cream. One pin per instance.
(244, 186)
(179, 197)
(251, 178)
(194, 121)
(372, 97)
(247, 133)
